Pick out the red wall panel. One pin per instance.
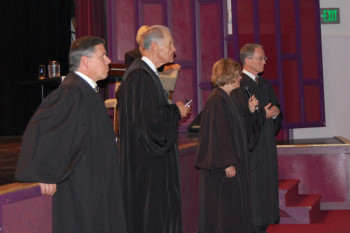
(268, 36)
(184, 89)
(229, 46)
(125, 30)
(312, 103)
(245, 22)
(291, 93)
(153, 14)
(182, 29)
(288, 28)
(308, 36)
(210, 38)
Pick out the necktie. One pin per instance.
(96, 88)
(257, 80)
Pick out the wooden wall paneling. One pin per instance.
(154, 13)
(122, 31)
(184, 89)
(183, 30)
(210, 40)
(288, 26)
(309, 37)
(245, 22)
(311, 103)
(290, 89)
(312, 75)
(267, 29)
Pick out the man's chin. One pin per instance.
(102, 77)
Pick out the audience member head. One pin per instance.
(226, 71)
(158, 45)
(88, 56)
(140, 32)
(253, 58)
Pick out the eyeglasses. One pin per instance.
(258, 58)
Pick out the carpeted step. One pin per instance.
(291, 187)
(296, 208)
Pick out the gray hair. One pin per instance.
(154, 34)
(83, 46)
(140, 32)
(247, 51)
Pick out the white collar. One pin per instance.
(252, 76)
(150, 64)
(91, 82)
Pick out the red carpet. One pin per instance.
(330, 221)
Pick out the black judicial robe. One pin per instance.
(131, 56)
(149, 156)
(134, 54)
(263, 162)
(70, 142)
(224, 203)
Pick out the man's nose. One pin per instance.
(107, 60)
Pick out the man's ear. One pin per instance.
(247, 61)
(85, 61)
(154, 46)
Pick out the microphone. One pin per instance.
(250, 95)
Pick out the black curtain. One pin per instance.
(33, 32)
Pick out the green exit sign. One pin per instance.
(330, 16)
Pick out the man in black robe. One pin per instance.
(70, 144)
(148, 136)
(263, 159)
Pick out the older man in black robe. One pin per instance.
(263, 159)
(69, 144)
(148, 136)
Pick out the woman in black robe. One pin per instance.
(222, 156)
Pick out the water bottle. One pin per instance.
(41, 72)
(54, 69)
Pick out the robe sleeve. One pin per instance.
(54, 140)
(253, 121)
(277, 122)
(149, 113)
(216, 148)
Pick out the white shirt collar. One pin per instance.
(91, 82)
(252, 76)
(150, 64)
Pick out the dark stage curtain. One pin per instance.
(33, 32)
(90, 18)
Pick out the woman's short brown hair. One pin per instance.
(225, 71)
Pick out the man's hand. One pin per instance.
(230, 171)
(253, 103)
(271, 111)
(175, 67)
(48, 189)
(184, 110)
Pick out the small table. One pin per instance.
(46, 83)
